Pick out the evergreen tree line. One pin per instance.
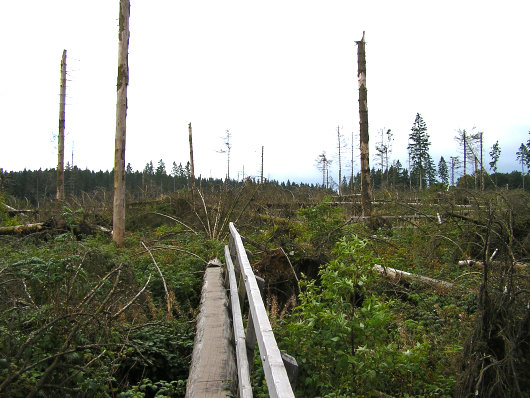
(468, 169)
(37, 186)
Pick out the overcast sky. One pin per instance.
(278, 74)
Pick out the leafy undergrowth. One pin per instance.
(84, 318)
(355, 333)
(80, 317)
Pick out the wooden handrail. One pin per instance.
(273, 366)
(243, 370)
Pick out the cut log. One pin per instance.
(395, 274)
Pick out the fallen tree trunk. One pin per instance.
(51, 224)
(13, 212)
(19, 229)
(396, 274)
(480, 264)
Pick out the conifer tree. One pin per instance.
(430, 171)
(495, 154)
(419, 150)
(443, 171)
(523, 156)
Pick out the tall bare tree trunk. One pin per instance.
(366, 196)
(352, 154)
(60, 147)
(465, 159)
(262, 164)
(118, 219)
(481, 165)
(340, 161)
(476, 173)
(192, 165)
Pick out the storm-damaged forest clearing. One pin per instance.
(83, 317)
(394, 284)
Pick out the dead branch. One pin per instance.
(90, 294)
(255, 244)
(177, 221)
(168, 301)
(292, 268)
(207, 227)
(133, 299)
(163, 247)
(13, 212)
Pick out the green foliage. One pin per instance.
(62, 326)
(443, 171)
(148, 388)
(5, 219)
(72, 217)
(321, 225)
(418, 147)
(342, 334)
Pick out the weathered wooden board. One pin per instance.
(275, 373)
(243, 369)
(213, 367)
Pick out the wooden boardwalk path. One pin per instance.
(213, 360)
(223, 351)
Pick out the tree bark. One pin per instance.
(60, 146)
(261, 176)
(481, 164)
(192, 165)
(366, 196)
(352, 187)
(396, 274)
(465, 160)
(19, 229)
(340, 161)
(118, 220)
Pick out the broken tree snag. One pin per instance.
(396, 274)
(118, 215)
(366, 195)
(60, 146)
(192, 165)
(261, 172)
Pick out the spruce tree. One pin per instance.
(419, 150)
(430, 170)
(523, 155)
(443, 171)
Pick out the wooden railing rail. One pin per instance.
(258, 326)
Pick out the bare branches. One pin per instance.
(133, 299)
(177, 221)
(168, 301)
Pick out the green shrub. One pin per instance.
(342, 334)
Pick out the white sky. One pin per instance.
(282, 74)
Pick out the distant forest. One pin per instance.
(36, 186)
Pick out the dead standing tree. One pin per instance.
(60, 147)
(366, 196)
(340, 146)
(118, 219)
(261, 172)
(192, 165)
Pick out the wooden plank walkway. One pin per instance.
(213, 367)
(214, 371)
